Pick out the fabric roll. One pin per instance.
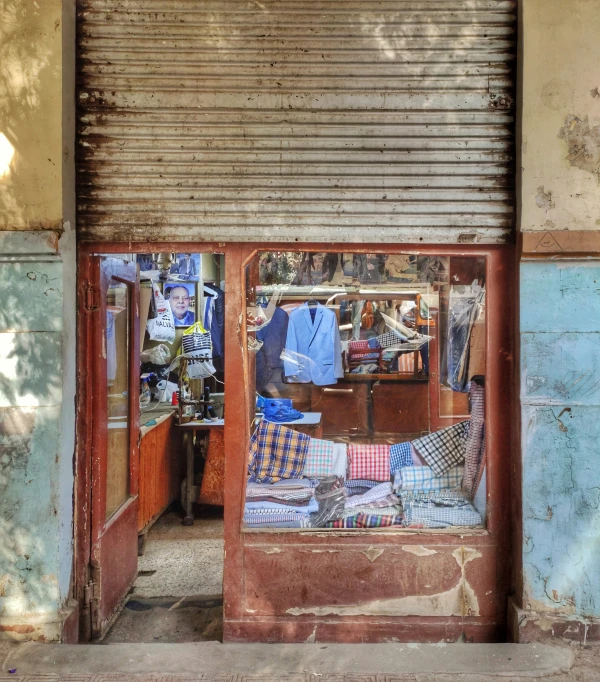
(369, 461)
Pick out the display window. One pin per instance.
(368, 378)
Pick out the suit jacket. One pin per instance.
(217, 327)
(268, 356)
(313, 349)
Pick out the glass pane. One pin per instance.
(117, 374)
(350, 429)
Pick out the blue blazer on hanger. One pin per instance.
(312, 348)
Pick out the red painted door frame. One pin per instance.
(500, 401)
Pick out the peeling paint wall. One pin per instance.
(560, 393)
(37, 317)
(560, 146)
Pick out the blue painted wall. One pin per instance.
(37, 360)
(560, 398)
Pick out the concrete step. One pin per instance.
(212, 660)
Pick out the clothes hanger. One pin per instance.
(312, 303)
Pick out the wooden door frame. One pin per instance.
(499, 391)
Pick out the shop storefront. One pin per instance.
(342, 179)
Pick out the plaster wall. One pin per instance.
(37, 317)
(560, 115)
(559, 313)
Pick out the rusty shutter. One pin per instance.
(317, 120)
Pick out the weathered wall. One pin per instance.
(37, 317)
(560, 317)
(560, 143)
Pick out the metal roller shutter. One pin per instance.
(296, 120)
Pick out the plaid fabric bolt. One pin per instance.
(447, 498)
(276, 452)
(400, 456)
(423, 479)
(288, 520)
(319, 458)
(369, 461)
(443, 449)
(475, 438)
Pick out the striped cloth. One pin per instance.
(319, 458)
(276, 452)
(445, 498)
(366, 521)
(443, 449)
(406, 362)
(388, 510)
(423, 479)
(400, 456)
(286, 520)
(379, 492)
(369, 461)
(475, 441)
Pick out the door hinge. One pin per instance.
(91, 592)
(91, 298)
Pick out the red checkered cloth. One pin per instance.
(369, 461)
(355, 347)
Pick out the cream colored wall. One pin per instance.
(560, 155)
(31, 114)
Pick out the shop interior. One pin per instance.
(369, 379)
(177, 595)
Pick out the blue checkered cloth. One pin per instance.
(400, 456)
(423, 479)
(358, 486)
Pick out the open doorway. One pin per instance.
(155, 395)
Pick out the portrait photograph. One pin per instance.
(182, 299)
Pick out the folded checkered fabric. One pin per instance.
(443, 449)
(359, 486)
(389, 510)
(423, 479)
(286, 520)
(266, 501)
(391, 338)
(400, 456)
(369, 461)
(379, 492)
(339, 466)
(365, 356)
(444, 498)
(276, 452)
(319, 458)
(366, 521)
(441, 517)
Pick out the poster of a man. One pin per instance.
(187, 266)
(182, 299)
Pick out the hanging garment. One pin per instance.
(312, 347)
(475, 442)
(357, 308)
(217, 321)
(269, 365)
(371, 462)
(276, 452)
(463, 311)
(445, 448)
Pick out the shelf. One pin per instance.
(385, 377)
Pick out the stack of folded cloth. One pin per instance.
(284, 504)
(432, 501)
(371, 502)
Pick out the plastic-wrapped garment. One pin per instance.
(331, 496)
(463, 311)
